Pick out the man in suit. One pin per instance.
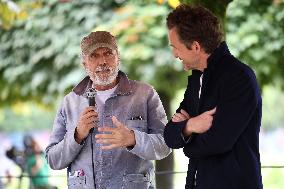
(218, 122)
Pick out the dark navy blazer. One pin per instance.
(227, 155)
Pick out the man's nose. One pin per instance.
(175, 54)
(102, 60)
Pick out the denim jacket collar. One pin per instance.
(124, 86)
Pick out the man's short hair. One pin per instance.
(196, 23)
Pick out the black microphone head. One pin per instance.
(91, 96)
(92, 101)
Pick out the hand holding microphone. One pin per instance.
(88, 118)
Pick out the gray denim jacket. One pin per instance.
(117, 168)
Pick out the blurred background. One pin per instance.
(39, 63)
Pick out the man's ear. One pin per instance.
(196, 46)
(83, 60)
(83, 64)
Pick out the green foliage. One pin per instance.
(8, 13)
(273, 103)
(273, 178)
(40, 55)
(255, 33)
(25, 117)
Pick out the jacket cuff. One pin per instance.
(73, 145)
(136, 149)
(186, 139)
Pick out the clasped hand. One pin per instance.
(198, 124)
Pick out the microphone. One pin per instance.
(91, 96)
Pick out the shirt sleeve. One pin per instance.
(62, 148)
(173, 132)
(151, 145)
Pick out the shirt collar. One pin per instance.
(215, 58)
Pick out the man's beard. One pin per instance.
(103, 80)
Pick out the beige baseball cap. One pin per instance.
(96, 40)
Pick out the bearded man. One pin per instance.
(109, 144)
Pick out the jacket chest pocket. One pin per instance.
(77, 182)
(140, 125)
(136, 181)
